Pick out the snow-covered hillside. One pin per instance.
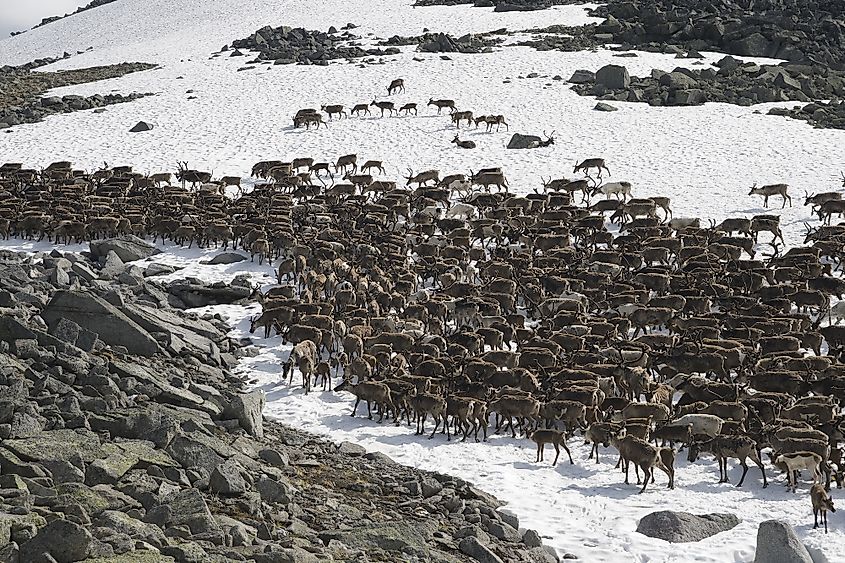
(705, 158)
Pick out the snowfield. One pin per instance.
(705, 158)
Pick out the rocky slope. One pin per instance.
(22, 89)
(124, 437)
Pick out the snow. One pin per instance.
(704, 158)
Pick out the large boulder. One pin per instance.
(755, 45)
(614, 77)
(680, 527)
(128, 248)
(777, 543)
(519, 141)
(62, 539)
(194, 293)
(247, 410)
(101, 317)
(678, 81)
(226, 258)
(582, 76)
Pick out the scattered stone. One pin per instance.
(679, 527)
(613, 77)
(777, 543)
(601, 106)
(140, 127)
(128, 248)
(227, 258)
(520, 141)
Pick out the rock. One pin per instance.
(128, 247)
(777, 543)
(273, 491)
(601, 106)
(156, 269)
(247, 410)
(274, 457)
(188, 508)
(472, 547)
(677, 80)
(66, 330)
(349, 448)
(226, 479)
(141, 126)
(583, 77)
(95, 314)
(227, 258)
(755, 45)
(520, 141)
(678, 527)
(692, 97)
(113, 267)
(614, 77)
(64, 540)
(532, 539)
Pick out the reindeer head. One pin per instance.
(456, 139)
(843, 179)
(753, 189)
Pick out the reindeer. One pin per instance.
(423, 177)
(389, 106)
(360, 108)
(397, 85)
(585, 165)
(459, 116)
(770, 190)
(440, 104)
(193, 177)
(373, 164)
(345, 161)
(336, 109)
(496, 120)
(408, 108)
(489, 178)
(463, 144)
(550, 140)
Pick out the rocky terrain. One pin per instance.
(445, 43)
(22, 90)
(818, 114)
(805, 31)
(286, 45)
(732, 81)
(500, 5)
(90, 5)
(125, 437)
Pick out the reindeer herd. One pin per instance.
(306, 117)
(444, 301)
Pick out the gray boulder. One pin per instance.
(478, 551)
(247, 410)
(519, 141)
(140, 127)
(601, 106)
(62, 539)
(680, 527)
(128, 247)
(614, 77)
(755, 45)
(226, 479)
(101, 317)
(227, 258)
(777, 543)
(113, 267)
(583, 77)
(678, 80)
